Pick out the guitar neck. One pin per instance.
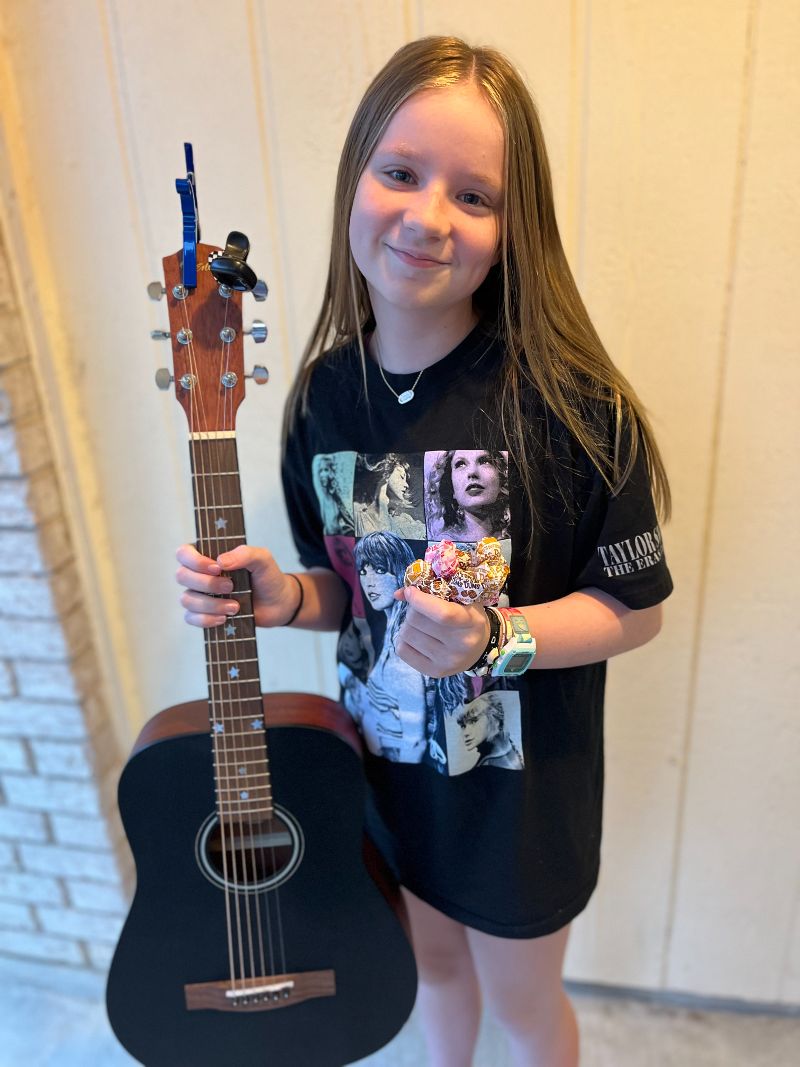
(234, 687)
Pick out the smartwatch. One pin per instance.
(519, 649)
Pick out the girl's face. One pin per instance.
(378, 585)
(475, 725)
(476, 480)
(397, 486)
(425, 224)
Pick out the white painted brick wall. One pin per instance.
(61, 894)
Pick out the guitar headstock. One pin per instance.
(207, 351)
(204, 286)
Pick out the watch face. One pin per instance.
(518, 663)
(519, 625)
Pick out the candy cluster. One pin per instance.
(453, 573)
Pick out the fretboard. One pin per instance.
(238, 734)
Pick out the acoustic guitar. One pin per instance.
(264, 929)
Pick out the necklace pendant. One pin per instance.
(405, 397)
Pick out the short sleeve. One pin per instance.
(302, 504)
(619, 546)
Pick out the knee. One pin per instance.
(439, 964)
(522, 1013)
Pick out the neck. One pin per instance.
(409, 344)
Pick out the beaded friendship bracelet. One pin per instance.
(483, 663)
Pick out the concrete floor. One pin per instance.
(54, 1017)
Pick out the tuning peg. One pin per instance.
(260, 375)
(258, 331)
(163, 378)
(160, 335)
(260, 290)
(155, 290)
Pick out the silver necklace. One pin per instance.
(407, 395)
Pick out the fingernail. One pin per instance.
(227, 587)
(214, 569)
(231, 607)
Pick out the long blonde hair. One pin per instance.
(541, 319)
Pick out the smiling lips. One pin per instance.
(415, 261)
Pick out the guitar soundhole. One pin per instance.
(250, 857)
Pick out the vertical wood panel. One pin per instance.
(739, 858)
(662, 122)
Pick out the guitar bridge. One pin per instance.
(264, 993)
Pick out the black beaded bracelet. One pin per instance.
(494, 637)
(296, 611)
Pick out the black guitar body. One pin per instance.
(333, 913)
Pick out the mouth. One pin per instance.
(416, 260)
(475, 490)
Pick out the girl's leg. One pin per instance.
(521, 981)
(448, 998)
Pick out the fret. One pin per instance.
(254, 792)
(233, 640)
(216, 474)
(241, 733)
(235, 681)
(240, 810)
(214, 537)
(254, 659)
(215, 507)
(242, 776)
(239, 753)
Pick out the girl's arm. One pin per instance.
(586, 627)
(440, 638)
(276, 595)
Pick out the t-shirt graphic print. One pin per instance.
(379, 513)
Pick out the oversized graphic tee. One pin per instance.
(486, 794)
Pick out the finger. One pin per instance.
(198, 604)
(191, 558)
(420, 662)
(205, 621)
(245, 557)
(203, 583)
(433, 607)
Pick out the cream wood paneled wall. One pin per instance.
(669, 130)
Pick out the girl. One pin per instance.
(451, 322)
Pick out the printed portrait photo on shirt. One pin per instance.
(466, 495)
(332, 474)
(400, 712)
(388, 495)
(486, 733)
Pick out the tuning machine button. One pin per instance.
(260, 290)
(258, 331)
(156, 290)
(260, 375)
(164, 379)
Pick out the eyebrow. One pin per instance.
(406, 152)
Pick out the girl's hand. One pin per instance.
(439, 638)
(275, 594)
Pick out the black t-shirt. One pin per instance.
(486, 794)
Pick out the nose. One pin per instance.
(426, 213)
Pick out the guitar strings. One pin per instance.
(251, 900)
(219, 746)
(238, 856)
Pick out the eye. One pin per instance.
(381, 570)
(398, 174)
(459, 463)
(476, 200)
